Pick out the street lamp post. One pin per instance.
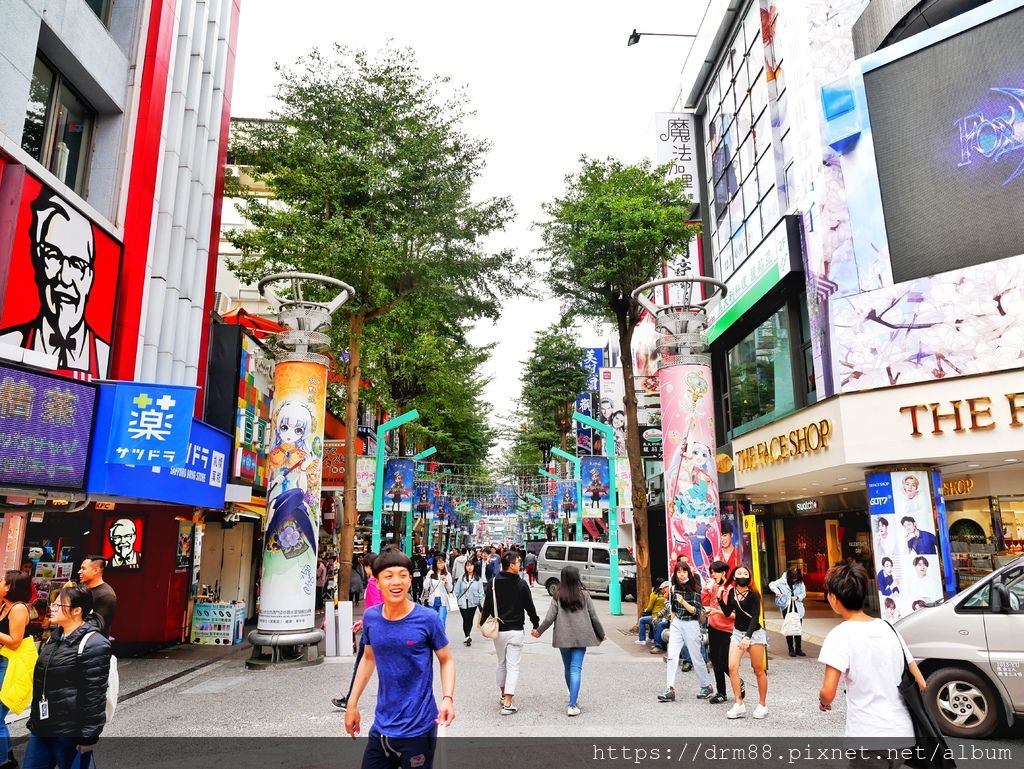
(614, 588)
(408, 513)
(575, 461)
(378, 488)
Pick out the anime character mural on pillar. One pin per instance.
(691, 477)
(61, 289)
(294, 466)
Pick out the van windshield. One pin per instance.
(626, 557)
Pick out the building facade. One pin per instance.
(858, 176)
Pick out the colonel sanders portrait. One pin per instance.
(123, 535)
(63, 252)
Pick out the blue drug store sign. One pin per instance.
(197, 480)
(150, 424)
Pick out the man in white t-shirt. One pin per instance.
(867, 655)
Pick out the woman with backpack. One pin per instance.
(469, 595)
(438, 591)
(69, 692)
(790, 591)
(576, 628)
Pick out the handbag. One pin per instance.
(489, 628)
(791, 625)
(933, 751)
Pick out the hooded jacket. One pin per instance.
(74, 685)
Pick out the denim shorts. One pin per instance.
(759, 637)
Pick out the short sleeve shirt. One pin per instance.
(871, 658)
(404, 653)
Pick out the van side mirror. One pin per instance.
(1000, 598)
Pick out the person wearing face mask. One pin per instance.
(720, 627)
(748, 637)
(69, 688)
(686, 611)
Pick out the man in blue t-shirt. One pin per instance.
(401, 638)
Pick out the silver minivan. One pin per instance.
(592, 559)
(971, 651)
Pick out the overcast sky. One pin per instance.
(549, 81)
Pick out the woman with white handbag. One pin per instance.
(438, 591)
(790, 592)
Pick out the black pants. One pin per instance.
(718, 643)
(792, 641)
(417, 588)
(355, 666)
(400, 752)
(467, 619)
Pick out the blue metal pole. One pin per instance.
(378, 486)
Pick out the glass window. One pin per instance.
(555, 553)
(58, 126)
(750, 194)
(579, 554)
(742, 127)
(752, 24)
(600, 555)
(626, 557)
(765, 174)
(714, 97)
(754, 231)
(770, 210)
(727, 263)
(101, 8)
(760, 373)
(739, 247)
(762, 134)
(758, 94)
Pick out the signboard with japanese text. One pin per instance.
(333, 478)
(59, 283)
(199, 480)
(676, 137)
(150, 425)
(45, 425)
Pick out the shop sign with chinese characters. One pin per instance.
(150, 424)
(45, 424)
(676, 137)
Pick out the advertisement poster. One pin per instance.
(908, 566)
(61, 290)
(566, 499)
(584, 435)
(365, 472)
(398, 485)
(252, 416)
(595, 486)
(294, 460)
(612, 411)
(691, 477)
(423, 498)
(184, 550)
(733, 547)
(122, 541)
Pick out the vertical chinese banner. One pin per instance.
(676, 139)
(294, 465)
(691, 477)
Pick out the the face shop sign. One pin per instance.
(807, 506)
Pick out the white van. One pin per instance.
(592, 559)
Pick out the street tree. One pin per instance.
(609, 233)
(372, 175)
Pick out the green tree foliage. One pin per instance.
(607, 235)
(552, 378)
(371, 175)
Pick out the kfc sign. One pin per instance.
(60, 276)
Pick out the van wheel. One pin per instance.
(962, 703)
(552, 586)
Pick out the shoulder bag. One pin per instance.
(791, 622)
(489, 628)
(933, 753)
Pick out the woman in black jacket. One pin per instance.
(69, 687)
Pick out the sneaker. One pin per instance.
(507, 710)
(669, 695)
(738, 710)
(760, 711)
(686, 667)
(467, 642)
(638, 642)
(340, 702)
(705, 692)
(656, 650)
(718, 699)
(572, 710)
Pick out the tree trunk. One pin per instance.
(636, 463)
(353, 373)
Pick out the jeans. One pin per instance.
(659, 630)
(5, 734)
(50, 752)
(703, 654)
(684, 632)
(400, 752)
(572, 661)
(646, 626)
(442, 609)
(509, 648)
(719, 640)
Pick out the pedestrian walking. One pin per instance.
(355, 581)
(104, 599)
(493, 564)
(531, 568)
(790, 591)
(576, 628)
(510, 600)
(684, 629)
(646, 624)
(469, 595)
(438, 591)
(402, 639)
(420, 568)
(867, 656)
(459, 564)
(321, 582)
(15, 593)
(69, 687)
(748, 637)
(373, 598)
(720, 627)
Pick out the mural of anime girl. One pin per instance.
(396, 492)
(290, 457)
(595, 489)
(290, 528)
(691, 478)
